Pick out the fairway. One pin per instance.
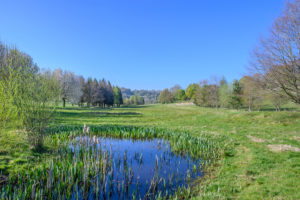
(249, 169)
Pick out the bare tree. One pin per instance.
(70, 86)
(277, 57)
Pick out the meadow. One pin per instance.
(257, 153)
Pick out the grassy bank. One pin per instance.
(253, 167)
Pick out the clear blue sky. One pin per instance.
(149, 44)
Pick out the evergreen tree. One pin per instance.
(236, 97)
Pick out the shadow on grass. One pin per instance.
(98, 114)
(282, 109)
(101, 108)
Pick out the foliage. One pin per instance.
(190, 91)
(118, 99)
(8, 90)
(166, 97)
(26, 94)
(38, 106)
(224, 95)
(179, 95)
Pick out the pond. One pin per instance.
(126, 168)
(114, 162)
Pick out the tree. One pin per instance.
(38, 105)
(190, 91)
(224, 92)
(277, 57)
(175, 88)
(179, 95)
(252, 92)
(109, 97)
(202, 96)
(118, 100)
(166, 97)
(26, 94)
(8, 90)
(277, 99)
(236, 99)
(87, 92)
(69, 86)
(82, 85)
(136, 100)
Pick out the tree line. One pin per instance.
(274, 72)
(91, 92)
(244, 93)
(142, 96)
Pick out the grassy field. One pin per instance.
(254, 165)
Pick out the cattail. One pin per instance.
(84, 129)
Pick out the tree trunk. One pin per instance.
(64, 102)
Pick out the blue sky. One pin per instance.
(140, 44)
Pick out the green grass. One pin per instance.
(248, 169)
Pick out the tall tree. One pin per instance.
(224, 94)
(118, 99)
(109, 101)
(277, 57)
(236, 96)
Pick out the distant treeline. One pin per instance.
(244, 93)
(146, 96)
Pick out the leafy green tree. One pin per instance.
(224, 95)
(179, 95)
(27, 93)
(166, 97)
(118, 100)
(38, 105)
(8, 91)
(190, 91)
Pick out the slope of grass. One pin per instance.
(248, 170)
